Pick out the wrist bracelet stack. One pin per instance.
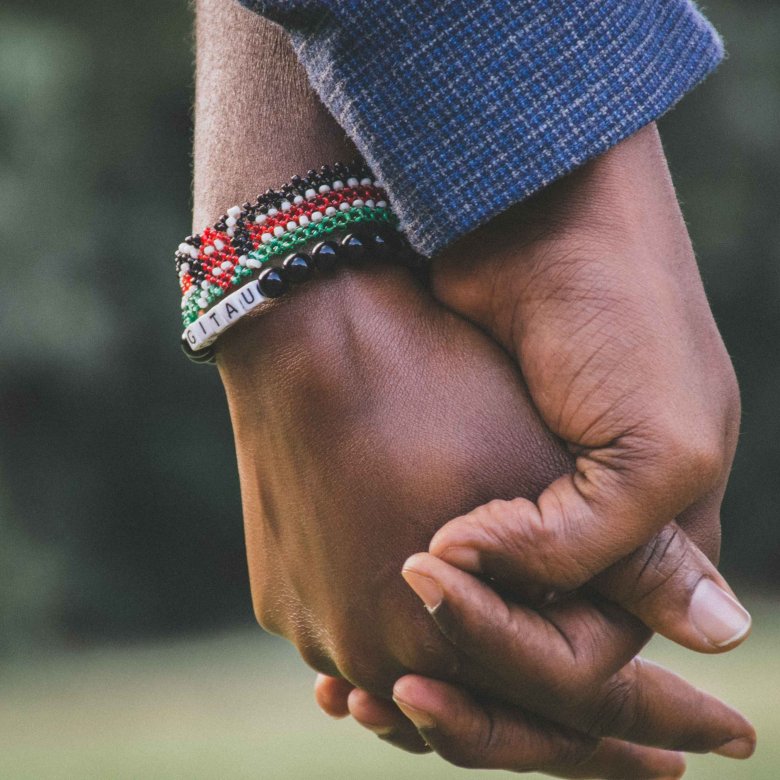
(256, 251)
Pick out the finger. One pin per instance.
(559, 662)
(585, 521)
(493, 736)
(673, 588)
(385, 720)
(331, 694)
(668, 583)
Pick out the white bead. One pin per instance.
(370, 203)
(227, 265)
(303, 220)
(208, 250)
(231, 221)
(226, 313)
(250, 296)
(381, 204)
(242, 260)
(273, 212)
(338, 185)
(259, 219)
(184, 248)
(357, 203)
(365, 182)
(203, 303)
(278, 231)
(378, 184)
(323, 189)
(266, 238)
(185, 267)
(184, 303)
(217, 272)
(311, 194)
(205, 284)
(330, 211)
(218, 245)
(352, 182)
(234, 211)
(217, 319)
(286, 205)
(298, 199)
(194, 252)
(230, 231)
(344, 206)
(316, 216)
(292, 225)
(253, 263)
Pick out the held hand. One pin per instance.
(362, 423)
(593, 288)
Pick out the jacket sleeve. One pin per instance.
(464, 107)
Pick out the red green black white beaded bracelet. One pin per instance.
(228, 270)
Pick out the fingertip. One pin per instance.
(384, 719)
(331, 694)
(417, 562)
(740, 748)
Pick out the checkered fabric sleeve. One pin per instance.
(464, 107)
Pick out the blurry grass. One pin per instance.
(240, 706)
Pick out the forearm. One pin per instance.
(257, 121)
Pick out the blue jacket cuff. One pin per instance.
(465, 107)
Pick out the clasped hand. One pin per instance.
(563, 374)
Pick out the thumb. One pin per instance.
(667, 583)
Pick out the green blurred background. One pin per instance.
(127, 645)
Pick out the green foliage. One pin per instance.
(119, 516)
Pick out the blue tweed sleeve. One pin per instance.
(464, 107)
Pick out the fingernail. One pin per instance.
(718, 615)
(422, 720)
(425, 587)
(465, 558)
(737, 748)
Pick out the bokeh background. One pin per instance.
(127, 643)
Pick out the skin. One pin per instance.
(369, 408)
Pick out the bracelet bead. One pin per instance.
(308, 225)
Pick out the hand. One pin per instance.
(356, 439)
(592, 286)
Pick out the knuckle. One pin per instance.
(617, 709)
(268, 613)
(514, 525)
(652, 566)
(368, 667)
(570, 752)
(469, 747)
(693, 456)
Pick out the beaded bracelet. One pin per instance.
(226, 271)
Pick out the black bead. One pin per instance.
(354, 246)
(298, 267)
(378, 245)
(221, 225)
(325, 255)
(272, 283)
